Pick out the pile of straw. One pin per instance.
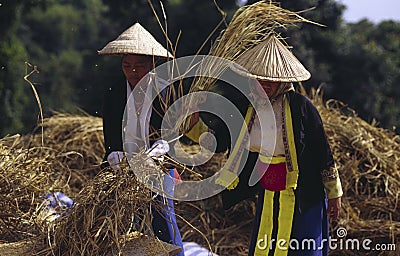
(369, 160)
(79, 134)
(108, 205)
(26, 175)
(367, 157)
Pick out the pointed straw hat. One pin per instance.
(135, 40)
(271, 60)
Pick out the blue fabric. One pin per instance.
(311, 223)
(58, 199)
(164, 223)
(58, 202)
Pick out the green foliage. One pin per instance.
(14, 92)
(366, 70)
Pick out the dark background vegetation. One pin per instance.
(358, 63)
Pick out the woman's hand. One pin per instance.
(334, 206)
(115, 158)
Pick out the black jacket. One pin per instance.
(312, 148)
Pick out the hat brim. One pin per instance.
(245, 73)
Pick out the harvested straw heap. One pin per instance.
(69, 157)
(368, 159)
(26, 174)
(81, 135)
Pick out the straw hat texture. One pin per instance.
(271, 60)
(135, 40)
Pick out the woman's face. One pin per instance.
(269, 87)
(135, 67)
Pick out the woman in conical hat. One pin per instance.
(297, 176)
(139, 51)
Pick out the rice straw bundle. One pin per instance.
(109, 208)
(110, 205)
(249, 26)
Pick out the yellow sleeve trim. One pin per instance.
(333, 188)
(227, 179)
(199, 128)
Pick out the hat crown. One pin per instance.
(272, 61)
(134, 32)
(135, 40)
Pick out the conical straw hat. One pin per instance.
(272, 61)
(135, 40)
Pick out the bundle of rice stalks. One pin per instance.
(250, 25)
(29, 170)
(109, 208)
